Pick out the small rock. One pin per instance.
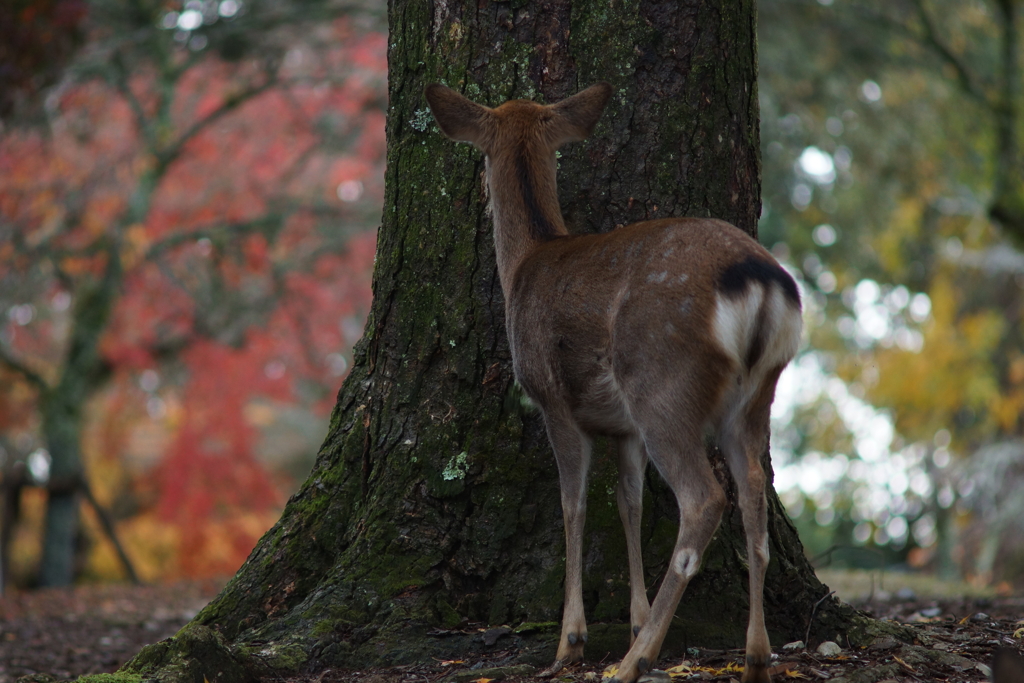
(985, 669)
(655, 676)
(883, 643)
(979, 616)
(829, 649)
(795, 645)
(906, 594)
(931, 612)
(37, 678)
(491, 635)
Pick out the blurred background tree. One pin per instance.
(184, 190)
(188, 193)
(893, 181)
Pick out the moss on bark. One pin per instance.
(434, 499)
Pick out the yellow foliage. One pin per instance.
(27, 541)
(136, 243)
(1007, 410)
(904, 224)
(151, 545)
(953, 371)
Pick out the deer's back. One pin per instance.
(597, 320)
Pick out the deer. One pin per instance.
(650, 335)
(1007, 666)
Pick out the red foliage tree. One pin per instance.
(193, 232)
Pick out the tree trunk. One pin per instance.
(434, 501)
(62, 407)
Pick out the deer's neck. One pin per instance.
(524, 205)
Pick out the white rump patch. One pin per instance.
(735, 322)
(783, 332)
(735, 326)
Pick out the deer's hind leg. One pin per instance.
(572, 449)
(743, 438)
(630, 498)
(679, 456)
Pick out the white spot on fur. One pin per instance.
(659, 277)
(686, 563)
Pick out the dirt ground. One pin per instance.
(92, 629)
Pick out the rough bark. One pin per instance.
(62, 406)
(434, 499)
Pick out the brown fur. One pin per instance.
(1007, 666)
(650, 335)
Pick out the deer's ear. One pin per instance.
(459, 118)
(577, 115)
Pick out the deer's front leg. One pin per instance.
(630, 493)
(572, 451)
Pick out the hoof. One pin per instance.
(754, 673)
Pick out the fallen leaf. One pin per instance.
(782, 668)
(482, 680)
(610, 671)
(904, 664)
(679, 670)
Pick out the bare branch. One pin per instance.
(30, 375)
(968, 81)
(123, 87)
(167, 156)
(215, 231)
(927, 37)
